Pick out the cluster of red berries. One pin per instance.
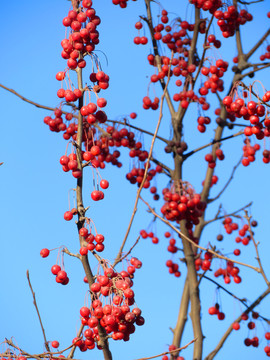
(148, 103)
(121, 3)
(266, 55)
(214, 310)
(228, 272)
(183, 204)
(230, 20)
(252, 111)
(68, 215)
(229, 225)
(90, 239)
(144, 234)
(210, 159)
(249, 152)
(83, 37)
(56, 124)
(214, 74)
(267, 348)
(202, 121)
(207, 5)
(135, 176)
(214, 180)
(140, 40)
(117, 318)
(205, 263)
(266, 156)
(173, 268)
(61, 275)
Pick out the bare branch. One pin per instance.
(247, 217)
(39, 317)
(227, 183)
(169, 352)
(255, 47)
(217, 217)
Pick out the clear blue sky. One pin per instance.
(34, 190)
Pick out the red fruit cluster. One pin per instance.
(140, 40)
(207, 5)
(229, 226)
(175, 40)
(266, 55)
(249, 152)
(83, 36)
(117, 318)
(214, 74)
(214, 310)
(56, 124)
(205, 263)
(252, 111)
(230, 20)
(144, 234)
(252, 342)
(214, 180)
(121, 3)
(185, 204)
(148, 103)
(136, 175)
(68, 215)
(94, 242)
(266, 156)
(243, 238)
(228, 272)
(202, 121)
(70, 163)
(101, 79)
(61, 275)
(173, 268)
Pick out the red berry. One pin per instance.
(44, 253)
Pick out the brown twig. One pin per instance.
(169, 352)
(72, 351)
(126, 255)
(227, 183)
(247, 217)
(258, 44)
(215, 141)
(39, 317)
(217, 217)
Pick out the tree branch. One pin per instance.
(39, 317)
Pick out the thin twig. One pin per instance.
(169, 352)
(227, 183)
(217, 217)
(215, 141)
(247, 217)
(132, 247)
(39, 317)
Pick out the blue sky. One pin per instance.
(34, 191)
